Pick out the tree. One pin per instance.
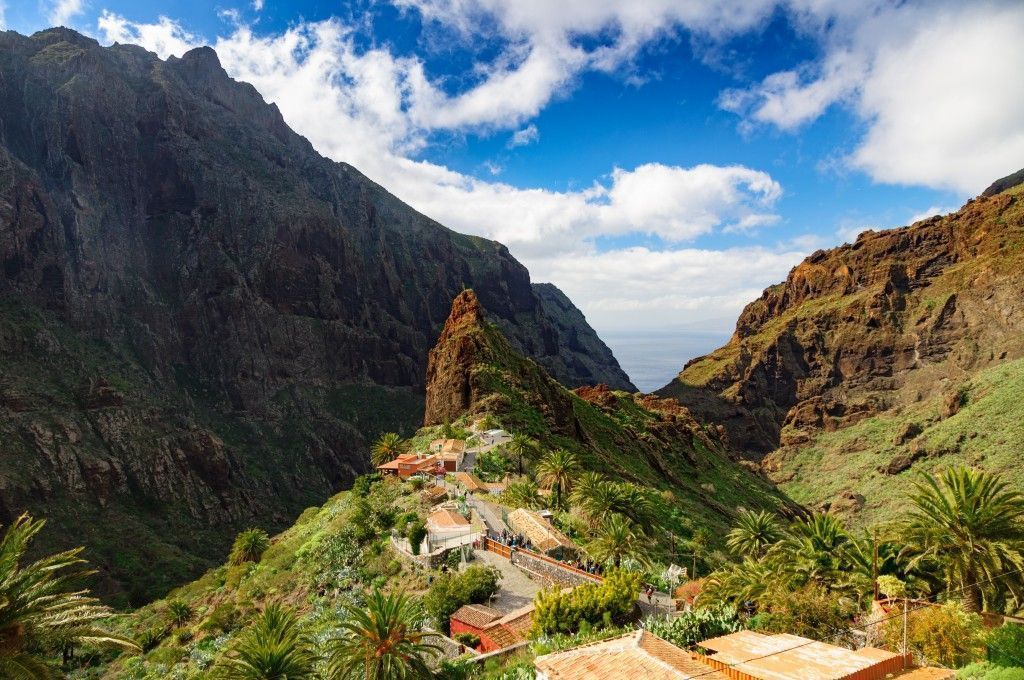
(814, 550)
(972, 524)
(595, 605)
(947, 635)
(521, 447)
(381, 640)
(416, 531)
(271, 648)
(387, 447)
(808, 611)
(491, 466)
(617, 540)
(522, 493)
(556, 471)
(753, 534)
(450, 591)
(749, 581)
(180, 612)
(249, 546)
(40, 614)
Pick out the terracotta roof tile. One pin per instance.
(476, 615)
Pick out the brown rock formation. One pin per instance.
(894, 318)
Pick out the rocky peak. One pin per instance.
(461, 345)
(863, 328)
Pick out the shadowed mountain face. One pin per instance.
(202, 320)
(880, 359)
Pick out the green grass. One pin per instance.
(987, 432)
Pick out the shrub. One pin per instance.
(984, 670)
(453, 559)
(1006, 645)
(249, 546)
(492, 466)
(416, 531)
(691, 627)
(806, 612)
(179, 612)
(417, 483)
(184, 637)
(450, 591)
(947, 635)
(590, 605)
(151, 638)
(221, 620)
(468, 639)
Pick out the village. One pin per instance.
(465, 518)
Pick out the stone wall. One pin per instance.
(550, 571)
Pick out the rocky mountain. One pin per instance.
(897, 353)
(202, 320)
(644, 439)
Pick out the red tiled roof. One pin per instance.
(476, 615)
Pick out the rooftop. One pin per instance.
(791, 657)
(476, 615)
(541, 533)
(470, 481)
(640, 654)
(447, 519)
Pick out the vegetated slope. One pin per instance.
(643, 439)
(202, 320)
(874, 360)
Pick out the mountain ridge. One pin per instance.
(203, 320)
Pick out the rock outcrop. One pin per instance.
(473, 370)
(202, 320)
(895, 318)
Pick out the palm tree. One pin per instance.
(180, 612)
(972, 524)
(272, 648)
(748, 581)
(617, 540)
(387, 447)
(38, 611)
(522, 493)
(521, 447)
(556, 471)
(381, 641)
(814, 550)
(753, 534)
(249, 546)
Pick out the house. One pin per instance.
(446, 524)
(469, 481)
(754, 656)
(409, 464)
(433, 495)
(639, 654)
(541, 533)
(451, 452)
(495, 630)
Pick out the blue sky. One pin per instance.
(662, 161)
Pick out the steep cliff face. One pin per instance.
(893, 334)
(645, 439)
(200, 317)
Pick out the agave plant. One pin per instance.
(271, 648)
(40, 612)
(381, 641)
(249, 546)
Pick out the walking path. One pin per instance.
(517, 589)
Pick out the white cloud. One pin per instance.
(363, 106)
(3, 18)
(930, 212)
(937, 84)
(63, 10)
(257, 5)
(528, 135)
(165, 37)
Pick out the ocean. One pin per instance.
(652, 359)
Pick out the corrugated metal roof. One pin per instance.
(635, 655)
